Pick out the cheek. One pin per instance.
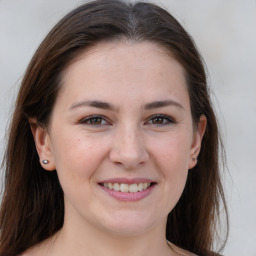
(76, 157)
(173, 151)
(172, 159)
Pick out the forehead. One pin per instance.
(119, 53)
(144, 68)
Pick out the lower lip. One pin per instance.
(126, 196)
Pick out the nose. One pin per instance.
(129, 149)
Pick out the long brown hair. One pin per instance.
(32, 205)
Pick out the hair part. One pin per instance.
(33, 205)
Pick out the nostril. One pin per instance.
(128, 159)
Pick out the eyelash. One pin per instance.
(166, 120)
(89, 119)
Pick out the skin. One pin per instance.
(126, 141)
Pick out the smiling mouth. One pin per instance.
(128, 188)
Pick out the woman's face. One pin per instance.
(121, 137)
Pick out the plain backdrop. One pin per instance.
(225, 32)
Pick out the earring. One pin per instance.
(45, 161)
(194, 160)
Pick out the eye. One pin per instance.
(94, 120)
(160, 120)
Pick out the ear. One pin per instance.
(199, 131)
(43, 145)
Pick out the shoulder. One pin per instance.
(39, 249)
(180, 251)
(183, 252)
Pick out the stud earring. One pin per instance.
(194, 160)
(45, 161)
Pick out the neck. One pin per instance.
(73, 239)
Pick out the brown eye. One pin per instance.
(94, 121)
(160, 120)
(157, 120)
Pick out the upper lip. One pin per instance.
(127, 180)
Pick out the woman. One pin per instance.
(113, 147)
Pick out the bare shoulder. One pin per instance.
(40, 249)
(180, 251)
(33, 251)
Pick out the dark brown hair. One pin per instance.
(32, 205)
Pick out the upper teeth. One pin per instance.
(132, 188)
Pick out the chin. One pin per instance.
(129, 224)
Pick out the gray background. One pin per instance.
(225, 32)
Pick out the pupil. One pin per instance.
(96, 120)
(158, 120)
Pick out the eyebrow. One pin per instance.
(165, 103)
(92, 103)
(108, 106)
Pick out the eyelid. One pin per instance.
(170, 119)
(84, 120)
(88, 118)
